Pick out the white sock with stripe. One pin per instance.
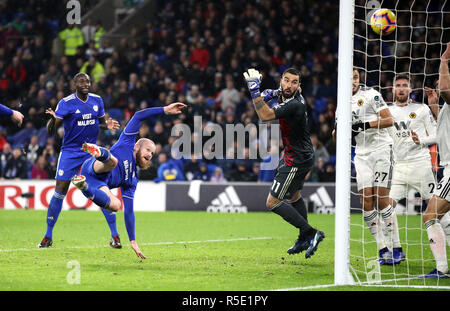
(390, 226)
(436, 237)
(374, 225)
(445, 224)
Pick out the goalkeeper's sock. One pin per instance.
(300, 207)
(436, 237)
(445, 224)
(374, 225)
(97, 196)
(54, 209)
(288, 213)
(111, 220)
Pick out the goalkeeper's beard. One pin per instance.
(287, 95)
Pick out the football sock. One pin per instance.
(288, 213)
(300, 207)
(97, 196)
(374, 225)
(436, 237)
(105, 155)
(389, 218)
(111, 219)
(54, 208)
(445, 224)
(395, 234)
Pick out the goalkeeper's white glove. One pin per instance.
(253, 78)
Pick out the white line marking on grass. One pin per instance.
(146, 244)
(301, 288)
(372, 284)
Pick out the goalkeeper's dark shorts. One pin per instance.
(289, 179)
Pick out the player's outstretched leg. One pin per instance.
(97, 196)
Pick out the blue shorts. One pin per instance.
(93, 179)
(69, 163)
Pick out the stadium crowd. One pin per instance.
(192, 52)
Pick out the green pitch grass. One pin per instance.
(185, 251)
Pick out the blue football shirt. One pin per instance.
(80, 120)
(124, 174)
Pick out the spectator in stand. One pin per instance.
(320, 152)
(16, 73)
(200, 55)
(99, 33)
(202, 174)
(4, 158)
(93, 68)
(191, 168)
(72, 38)
(240, 172)
(39, 170)
(159, 136)
(16, 166)
(255, 171)
(218, 175)
(228, 97)
(33, 150)
(168, 170)
(88, 31)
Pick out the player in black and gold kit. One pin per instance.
(285, 197)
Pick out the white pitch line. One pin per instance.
(371, 284)
(301, 288)
(145, 244)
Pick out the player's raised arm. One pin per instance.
(444, 75)
(14, 114)
(433, 101)
(135, 123)
(253, 78)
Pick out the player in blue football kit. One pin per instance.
(82, 114)
(14, 114)
(114, 168)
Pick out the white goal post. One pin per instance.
(342, 274)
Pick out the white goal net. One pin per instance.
(411, 51)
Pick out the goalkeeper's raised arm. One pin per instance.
(289, 87)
